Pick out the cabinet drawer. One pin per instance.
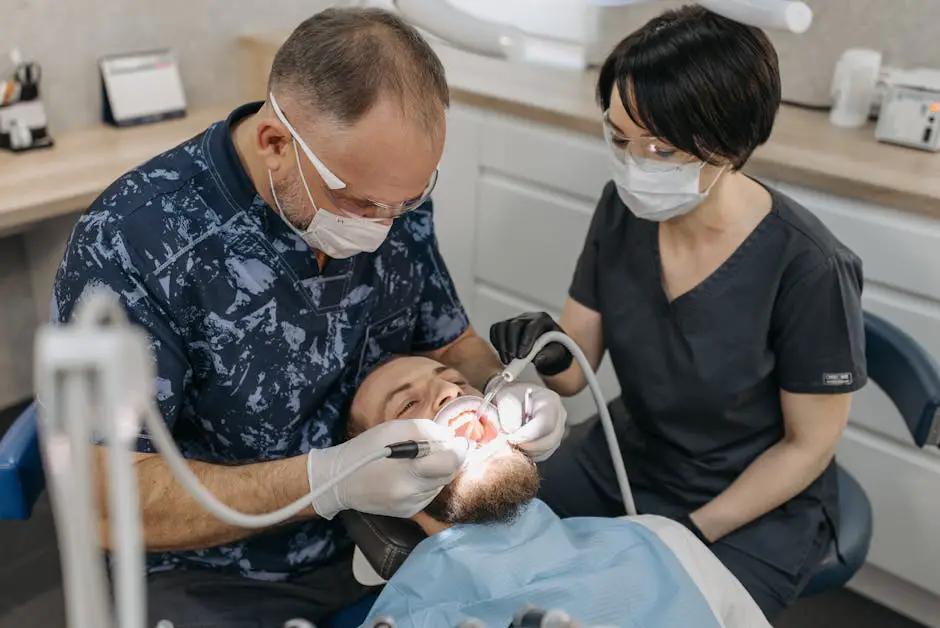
(528, 241)
(898, 249)
(491, 306)
(903, 486)
(574, 163)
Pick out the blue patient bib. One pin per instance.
(599, 571)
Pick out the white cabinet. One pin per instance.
(512, 209)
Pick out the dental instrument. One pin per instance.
(515, 368)
(494, 388)
(527, 406)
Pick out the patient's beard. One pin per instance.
(494, 496)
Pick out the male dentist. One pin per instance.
(274, 259)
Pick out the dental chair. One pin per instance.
(901, 367)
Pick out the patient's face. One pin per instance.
(408, 387)
(495, 483)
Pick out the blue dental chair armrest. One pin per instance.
(847, 553)
(21, 474)
(911, 379)
(907, 374)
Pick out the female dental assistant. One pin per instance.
(731, 314)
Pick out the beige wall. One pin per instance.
(68, 36)
(907, 32)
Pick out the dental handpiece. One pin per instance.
(410, 449)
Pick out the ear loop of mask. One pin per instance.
(280, 210)
(303, 179)
(277, 203)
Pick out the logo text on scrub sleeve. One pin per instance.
(837, 379)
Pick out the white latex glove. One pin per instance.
(392, 487)
(545, 429)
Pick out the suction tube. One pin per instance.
(515, 368)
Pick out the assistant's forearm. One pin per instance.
(173, 520)
(567, 383)
(775, 477)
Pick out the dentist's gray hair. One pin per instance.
(340, 62)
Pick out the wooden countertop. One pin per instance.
(66, 178)
(804, 150)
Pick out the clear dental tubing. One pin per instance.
(515, 368)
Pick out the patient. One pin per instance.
(493, 548)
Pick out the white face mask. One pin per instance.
(658, 196)
(338, 236)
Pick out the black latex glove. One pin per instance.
(514, 338)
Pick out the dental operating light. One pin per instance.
(445, 21)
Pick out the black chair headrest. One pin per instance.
(385, 542)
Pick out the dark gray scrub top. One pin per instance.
(701, 376)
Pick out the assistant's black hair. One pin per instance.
(708, 85)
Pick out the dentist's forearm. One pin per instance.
(173, 520)
(472, 356)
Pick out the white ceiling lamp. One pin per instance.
(560, 32)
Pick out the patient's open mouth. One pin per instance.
(460, 415)
(467, 425)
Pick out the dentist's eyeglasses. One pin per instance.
(367, 208)
(336, 187)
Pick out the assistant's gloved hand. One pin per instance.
(514, 338)
(392, 487)
(545, 429)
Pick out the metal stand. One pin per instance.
(93, 380)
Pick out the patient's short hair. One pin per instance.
(346, 427)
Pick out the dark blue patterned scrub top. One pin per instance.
(257, 350)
